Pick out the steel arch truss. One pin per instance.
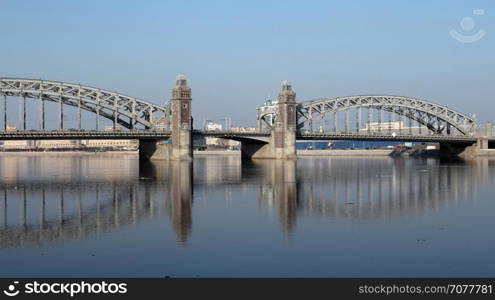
(434, 116)
(266, 116)
(107, 104)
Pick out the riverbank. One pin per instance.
(300, 153)
(348, 152)
(62, 153)
(217, 152)
(485, 152)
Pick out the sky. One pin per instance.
(235, 54)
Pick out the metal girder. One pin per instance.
(424, 112)
(82, 134)
(325, 136)
(107, 104)
(265, 112)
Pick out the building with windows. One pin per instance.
(212, 126)
(64, 145)
(399, 127)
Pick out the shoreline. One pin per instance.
(346, 152)
(303, 153)
(25, 153)
(300, 153)
(355, 152)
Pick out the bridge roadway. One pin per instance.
(241, 136)
(325, 136)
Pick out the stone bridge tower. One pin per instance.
(284, 133)
(181, 121)
(282, 141)
(179, 147)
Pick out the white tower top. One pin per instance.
(181, 80)
(286, 85)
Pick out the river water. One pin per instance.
(86, 215)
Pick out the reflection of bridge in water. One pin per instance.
(395, 187)
(38, 212)
(364, 188)
(34, 212)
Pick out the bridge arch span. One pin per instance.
(434, 116)
(110, 105)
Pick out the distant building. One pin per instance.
(34, 145)
(129, 144)
(243, 129)
(17, 145)
(226, 143)
(236, 144)
(267, 105)
(212, 126)
(396, 126)
(383, 126)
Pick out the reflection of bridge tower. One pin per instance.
(182, 195)
(176, 177)
(285, 187)
(282, 193)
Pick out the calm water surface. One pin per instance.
(110, 215)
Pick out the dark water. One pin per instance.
(109, 215)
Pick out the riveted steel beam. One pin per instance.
(86, 98)
(423, 112)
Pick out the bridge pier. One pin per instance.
(255, 149)
(154, 150)
(477, 149)
(464, 150)
(452, 150)
(482, 143)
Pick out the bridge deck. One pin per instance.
(387, 137)
(152, 134)
(81, 135)
(325, 136)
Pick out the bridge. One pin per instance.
(166, 131)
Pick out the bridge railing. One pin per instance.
(68, 130)
(487, 129)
